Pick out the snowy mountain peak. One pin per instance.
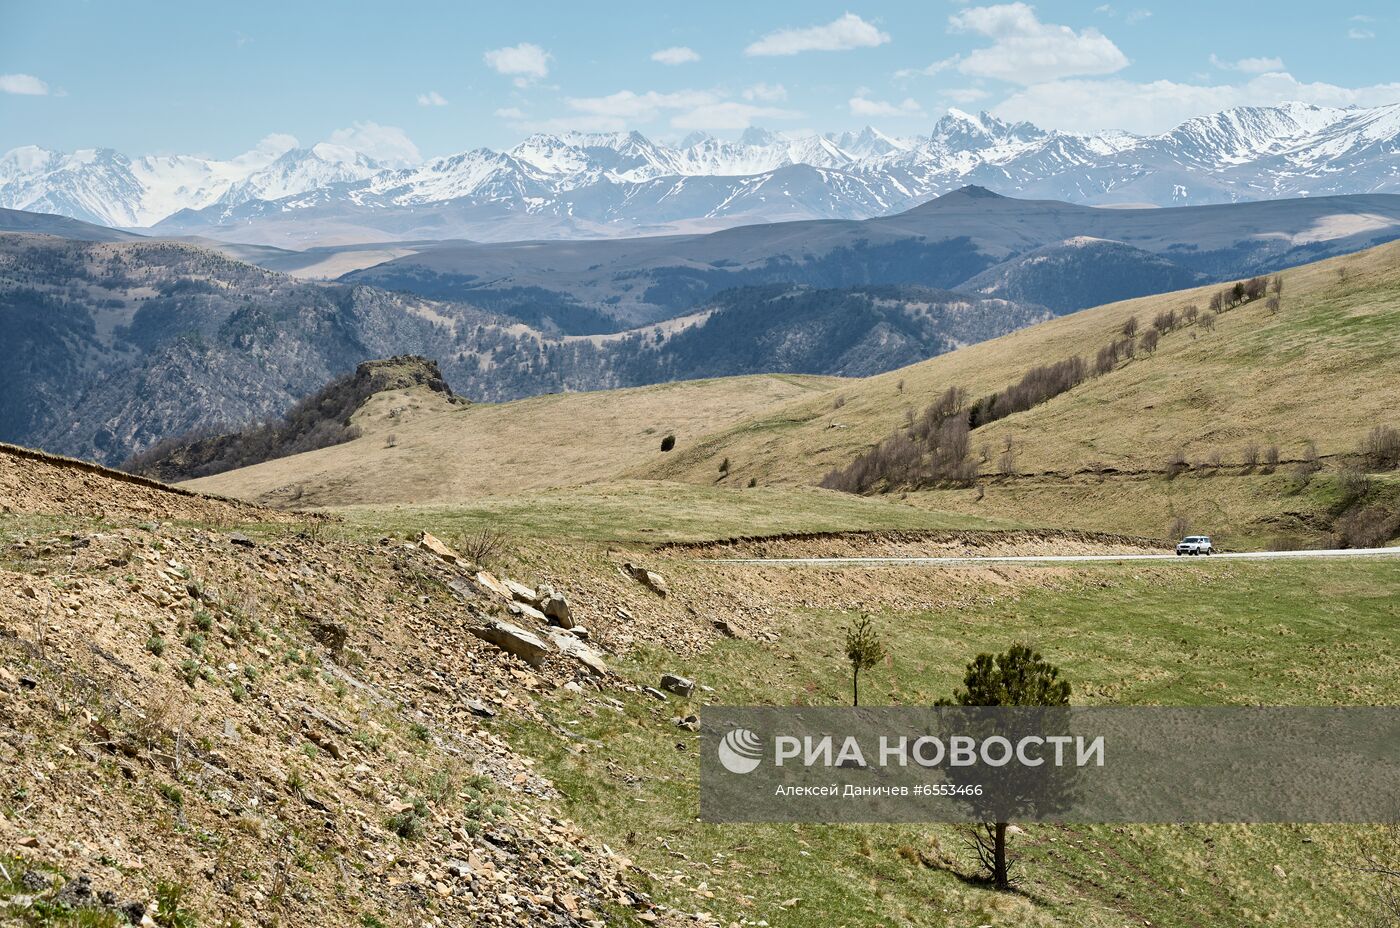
(613, 183)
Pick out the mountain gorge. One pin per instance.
(601, 185)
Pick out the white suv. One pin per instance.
(1194, 544)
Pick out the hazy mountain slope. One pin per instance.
(1082, 272)
(317, 421)
(945, 244)
(14, 220)
(604, 185)
(111, 347)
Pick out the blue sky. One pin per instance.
(403, 81)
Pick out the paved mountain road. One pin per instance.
(1048, 558)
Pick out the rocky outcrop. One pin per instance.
(514, 640)
(647, 578)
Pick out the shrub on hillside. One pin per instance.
(1381, 448)
(668, 443)
(1040, 383)
(1106, 359)
(1367, 526)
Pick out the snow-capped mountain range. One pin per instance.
(602, 185)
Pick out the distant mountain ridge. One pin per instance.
(599, 185)
(106, 348)
(1059, 255)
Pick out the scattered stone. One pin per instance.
(461, 589)
(331, 634)
(580, 632)
(673, 683)
(555, 606)
(724, 628)
(28, 683)
(525, 609)
(689, 723)
(242, 540)
(520, 592)
(430, 542)
(570, 646)
(647, 578)
(654, 693)
(488, 581)
(513, 640)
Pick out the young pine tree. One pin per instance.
(864, 650)
(1017, 677)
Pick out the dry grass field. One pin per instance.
(1322, 369)
(418, 448)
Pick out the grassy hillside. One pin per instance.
(1318, 373)
(416, 447)
(1322, 369)
(1267, 634)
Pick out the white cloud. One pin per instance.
(431, 98)
(1355, 33)
(689, 109)
(676, 54)
(765, 93)
(929, 71)
(641, 107)
(1025, 50)
(862, 105)
(842, 34)
(525, 62)
(510, 112)
(1135, 16)
(966, 94)
(388, 144)
(23, 84)
(728, 114)
(269, 149)
(1089, 105)
(1248, 65)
